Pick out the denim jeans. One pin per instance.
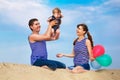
(50, 63)
(85, 66)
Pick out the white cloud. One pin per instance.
(112, 3)
(19, 12)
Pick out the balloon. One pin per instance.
(98, 50)
(95, 65)
(104, 60)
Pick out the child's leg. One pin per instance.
(57, 34)
(53, 34)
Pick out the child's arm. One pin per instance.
(49, 19)
(61, 16)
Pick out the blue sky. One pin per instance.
(101, 16)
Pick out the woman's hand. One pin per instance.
(59, 55)
(92, 58)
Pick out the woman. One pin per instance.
(82, 50)
(38, 46)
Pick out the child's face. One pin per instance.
(57, 14)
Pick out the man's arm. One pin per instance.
(46, 36)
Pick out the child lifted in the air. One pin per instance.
(56, 28)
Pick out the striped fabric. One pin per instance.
(81, 53)
(39, 51)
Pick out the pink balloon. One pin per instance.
(98, 50)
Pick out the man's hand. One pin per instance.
(52, 23)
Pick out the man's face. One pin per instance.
(36, 26)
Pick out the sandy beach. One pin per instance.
(10, 71)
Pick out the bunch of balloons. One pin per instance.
(101, 59)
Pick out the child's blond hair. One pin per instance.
(56, 9)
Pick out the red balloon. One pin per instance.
(98, 50)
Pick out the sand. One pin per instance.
(10, 71)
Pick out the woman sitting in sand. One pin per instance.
(82, 50)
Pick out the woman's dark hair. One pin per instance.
(85, 28)
(31, 22)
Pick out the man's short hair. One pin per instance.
(31, 21)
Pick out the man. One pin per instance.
(38, 45)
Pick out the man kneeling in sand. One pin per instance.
(38, 45)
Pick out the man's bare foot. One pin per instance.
(46, 67)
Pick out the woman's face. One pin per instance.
(36, 26)
(80, 31)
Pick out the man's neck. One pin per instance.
(34, 32)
